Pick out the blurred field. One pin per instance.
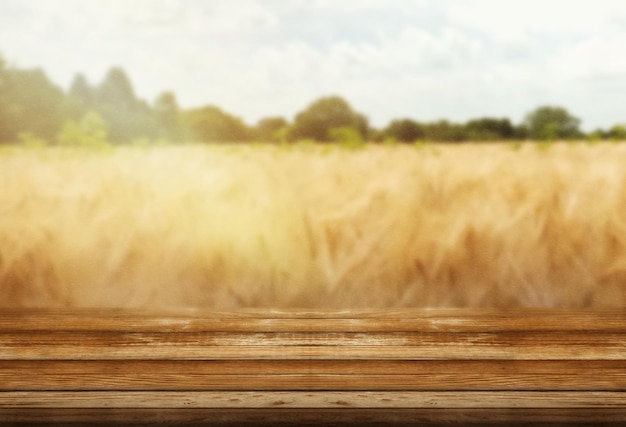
(312, 226)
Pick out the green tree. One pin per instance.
(444, 131)
(346, 136)
(325, 114)
(404, 130)
(81, 90)
(129, 118)
(489, 129)
(597, 135)
(89, 132)
(7, 132)
(271, 129)
(81, 97)
(29, 103)
(116, 88)
(550, 123)
(211, 124)
(617, 132)
(168, 116)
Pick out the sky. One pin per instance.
(390, 59)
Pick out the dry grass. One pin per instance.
(263, 226)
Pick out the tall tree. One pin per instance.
(404, 130)
(116, 88)
(168, 116)
(81, 97)
(269, 129)
(29, 102)
(128, 118)
(81, 90)
(489, 129)
(444, 131)
(211, 124)
(548, 122)
(7, 133)
(327, 113)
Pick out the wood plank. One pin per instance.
(480, 366)
(452, 375)
(392, 320)
(308, 399)
(91, 345)
(362, 417)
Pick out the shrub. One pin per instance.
(90, 132)
(28, 140)
(346, 136)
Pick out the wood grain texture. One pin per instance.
(459, 375)
(223, 417)
(444, 345)
(549, 366)
(258, 320)
(328, 399)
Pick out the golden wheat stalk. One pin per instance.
(264, 226)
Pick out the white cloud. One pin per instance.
(420, 58)
(522, 19)
(595, 57)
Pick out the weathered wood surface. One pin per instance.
(563, 375)
(440, 366)
(476, 417)
(327, 399)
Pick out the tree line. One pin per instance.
(32, 108)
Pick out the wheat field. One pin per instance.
(471, 225)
